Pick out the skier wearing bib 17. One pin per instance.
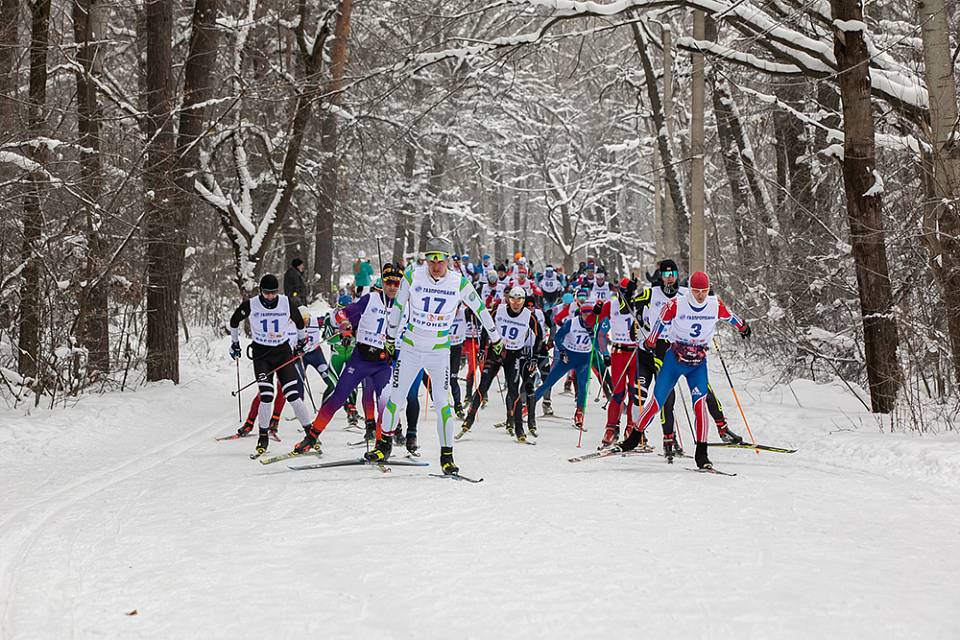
(430, 294)
(269, 313)
(692, 320)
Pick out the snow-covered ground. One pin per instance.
(125, 502)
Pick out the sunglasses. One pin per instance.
(436, 257)
(394, 281)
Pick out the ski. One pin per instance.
(254, 456)
(359, 444)
(288, 456)
(744, 445)
(275, 437)
(576, 428)
(233, 436)
(500, 425)
(358, 462)
(603, 453)
(636, 452)
(532, 444)
(412, 454)
(462, 433)
(456, 476)
(711, 470)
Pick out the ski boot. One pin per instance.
(547, 408)
(466, 425)
(483, 403)
(398, 438)
(458, 410)
(522, 439)
(412, 445)
(669, 450)
(631, 439)
(245, 429)
(510, 431)
(447, 465)
(726, 434)
(532, 429)
(701, 456)
(370, 430)
(609, 436)
(353, 418)
(678, 450)
(274, 427)
(568, 386)
(263, 442)
(309, 442)
(578, 419)
(382, 451)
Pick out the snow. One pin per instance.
(850, 25)
(876, 188)
(124, 502)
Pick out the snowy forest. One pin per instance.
(158, 157)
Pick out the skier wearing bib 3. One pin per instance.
(269, 313)
(692, 320)
(430, 294)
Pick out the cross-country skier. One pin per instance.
(516, 323)
(268, 314)
(369, 363)
(573, 349)
(430, 295)
(691, 321)
(623, 361)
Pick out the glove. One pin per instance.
(597, 308)
(497, 347)
(564, 357)
(346, 329)
(746, 331)
(531, 366)
(301, 346)
(390, 346)
(235, 351)
(649, 347)
(606, 361)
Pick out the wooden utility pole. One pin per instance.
(668, 245)
(698, 243)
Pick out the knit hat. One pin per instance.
(269, 283)
(699, 280)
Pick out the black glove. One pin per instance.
(745, 331)
(235, 351)
(597, 307)
(606, 361)
(301, 346)
(564, 357)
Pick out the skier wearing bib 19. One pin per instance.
(269, 312)
(430, 293)
(516, 323)
(366, 318)
(692, 319)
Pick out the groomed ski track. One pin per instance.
(125, 502)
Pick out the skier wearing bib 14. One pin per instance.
(692, 320)
(430, 293)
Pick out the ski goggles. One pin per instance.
(435, 256)
(392, 280)
(669, 274)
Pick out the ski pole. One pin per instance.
(735, 397)
(686, 412)
(306, 381)
(239, 405)
(272, 371)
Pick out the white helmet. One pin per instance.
(361, 254)
(517, 292)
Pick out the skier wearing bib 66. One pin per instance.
(430, 295)
(691, 321)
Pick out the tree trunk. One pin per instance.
(162, 219)
(863, 210)
(405, 214)
(435, 188)
(942, 210)
(500, 221)
(92, 320)
(36, 187)
(329, 138)
(9, 18)
(666, 154)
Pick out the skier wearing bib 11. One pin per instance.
(269, 313)
(691, 320)
(430, 293)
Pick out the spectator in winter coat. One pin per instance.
(362, 272)
(294, 286)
